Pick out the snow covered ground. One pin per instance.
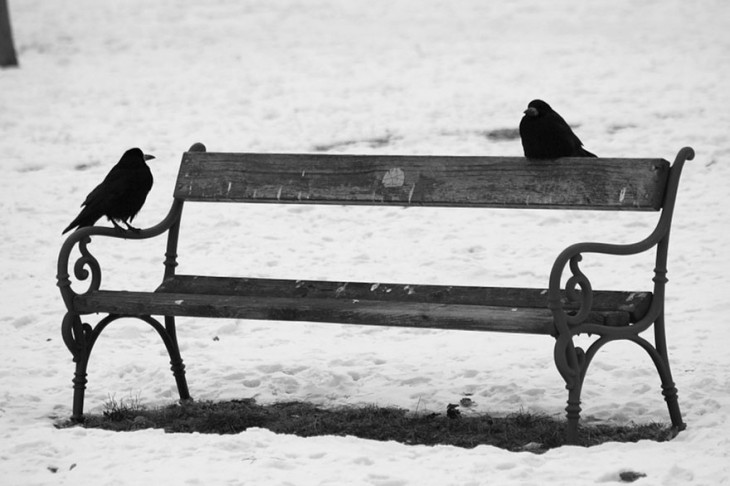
(376, 76)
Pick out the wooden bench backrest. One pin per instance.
(512, 182)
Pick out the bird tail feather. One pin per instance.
(80, 221)
(584, 153)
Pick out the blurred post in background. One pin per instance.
(7, 49)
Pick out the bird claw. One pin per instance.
(129, 227)
(132, 228)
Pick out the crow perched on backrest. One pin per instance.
(545, 135)
(120, 195)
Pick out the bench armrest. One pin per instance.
(87, 265)
(578, 287)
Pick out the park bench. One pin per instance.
(566, 307)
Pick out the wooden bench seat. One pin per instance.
(521, 310)
(566, 307)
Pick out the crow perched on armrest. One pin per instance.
(120, 195)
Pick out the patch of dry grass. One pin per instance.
(516, 432)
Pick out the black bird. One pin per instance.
(545, 135)
(120, 195)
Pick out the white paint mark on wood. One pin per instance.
(622, 195)
(340, 289)
(278, 193)
(410, 194)
(230, 184)
(178, 302)
(394, 178)
(374, 287)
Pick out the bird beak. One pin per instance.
(531, 111)
(148, 157)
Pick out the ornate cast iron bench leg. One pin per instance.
(573, 413)
(176, 362)
(660, 357)
(574, 360)
(81, 337)
(75, 336)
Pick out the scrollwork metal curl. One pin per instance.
(87, 260)
(583, 297)
(87, 266)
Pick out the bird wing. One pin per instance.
(562, 126)
(95, 205)
(106, 195)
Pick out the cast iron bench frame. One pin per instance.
(438, 181)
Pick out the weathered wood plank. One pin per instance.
(627, 184)
(620, 307)
(467, 308)
(338, 311)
